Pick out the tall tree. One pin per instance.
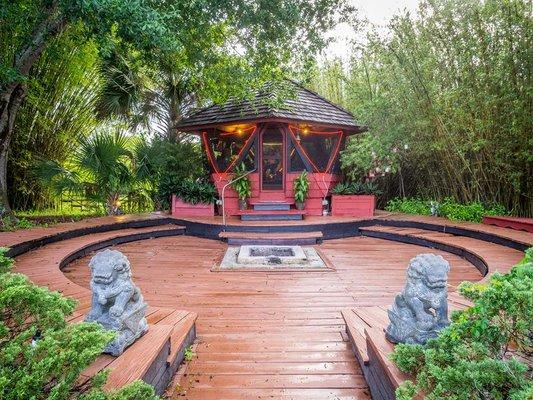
(266, 31)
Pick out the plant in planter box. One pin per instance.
(356, 188)
(196, 192)
(242, 186)
(301, 189)
(354, 199)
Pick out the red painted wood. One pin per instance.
(182, 209)
(319, 186)
(518, 224)
(353, 206)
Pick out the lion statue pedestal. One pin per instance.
(420, 311)
(117, 304)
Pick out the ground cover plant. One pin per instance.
(448, 208)
(478, 355)
(41, 356)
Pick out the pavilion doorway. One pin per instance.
(272, 164)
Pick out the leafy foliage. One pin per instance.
(301, 187)
(242, 184)
(474, 358)
(436, 88)
(195, 192)
(102, 169)
(41, 356)
(180, 54)
(357, 188)
(448, 208)
(58, 110)
(164, 164)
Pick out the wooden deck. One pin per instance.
(271, 334)
(262, 334)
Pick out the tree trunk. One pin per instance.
(9, 104)
(12, 94)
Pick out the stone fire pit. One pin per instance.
(271, 257)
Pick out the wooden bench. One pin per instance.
(519, 224)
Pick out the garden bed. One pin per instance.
(362, 206)
(182, 209)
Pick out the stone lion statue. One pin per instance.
(117, 304)
(420, 311)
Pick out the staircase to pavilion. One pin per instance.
(272, 211)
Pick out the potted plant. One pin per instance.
(354, 199)
(194, 198)
(242, 186)
(301, 189)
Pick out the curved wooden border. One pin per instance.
(83, 251)
(469, 256)
(336, 230)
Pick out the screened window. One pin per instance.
(227, 147)
(319, 148)
(296, 163)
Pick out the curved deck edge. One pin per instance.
(335, 230)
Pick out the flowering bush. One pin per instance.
(366, 158)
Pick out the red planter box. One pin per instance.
(361, 206)
(181, 209)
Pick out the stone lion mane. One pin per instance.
(420, 311)
(117, 304)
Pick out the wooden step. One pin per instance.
(289, 215)
(114, 238)
(271, 206)
(486, 256)
(272, 238)
(365, 327)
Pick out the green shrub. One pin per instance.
(409, 206)
(448, 208)
(468, 212)
(10, 223)
(41, 356)
(168, 164)
(194, 192)
(473, 357)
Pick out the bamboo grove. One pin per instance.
(447, 96)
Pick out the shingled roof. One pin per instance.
(307, 106)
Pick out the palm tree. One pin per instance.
(102, 169)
